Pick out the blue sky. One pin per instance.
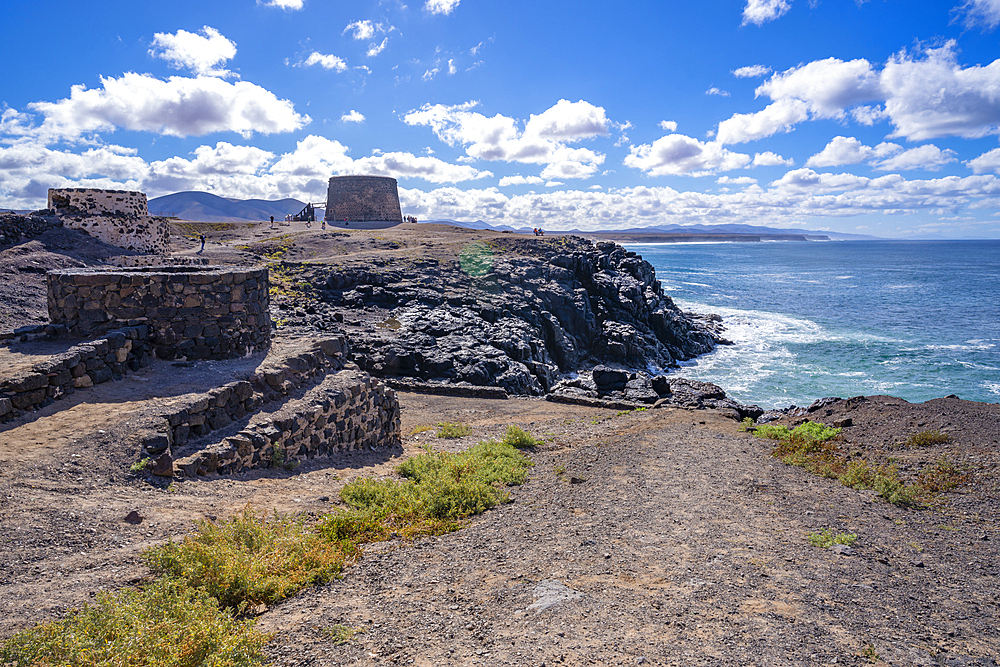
(878, 116)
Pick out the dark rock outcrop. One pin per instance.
(512, 313)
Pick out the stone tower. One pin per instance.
(363, 199)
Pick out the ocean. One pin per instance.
(913, 319)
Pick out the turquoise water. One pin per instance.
(913, 319)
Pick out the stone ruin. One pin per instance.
(192, 312)
(117, 217)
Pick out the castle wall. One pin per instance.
(363, 198)
(192, 312)
(117, 217)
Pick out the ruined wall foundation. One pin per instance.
(117, 217)
(192, 312)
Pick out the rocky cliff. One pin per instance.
(512, 313)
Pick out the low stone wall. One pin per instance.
(94, 362)
(223, 405)
(14, 227)
(350, 410)
(193, 312)
(156, 260)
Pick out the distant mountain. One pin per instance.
(730, 228)
(205, 207)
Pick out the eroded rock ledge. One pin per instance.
(511, 313)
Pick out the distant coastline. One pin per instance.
(638, 237)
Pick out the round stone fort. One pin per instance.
(363, 199)
(193, 312)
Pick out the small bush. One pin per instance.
(341, 634)
(519, 438)
(453, 430)
(926, 439)
(166, 624)
(943, 476)
(141, 465)
(250, 559)
(826, 538)
(423, 428)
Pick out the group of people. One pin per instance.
(539, 231)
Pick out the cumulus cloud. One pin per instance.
(840, 151)
(353, 117)
(769, 159)
(827, 86)
(326, 61)
(284, 4)
(669, 125)
(980, 13)
(717, 91)
(441, 6)
(936, 97)
(680, 155)
(521, 180)
(178, 106)
(989, 161)
(751, 71)
(928, 157)
(760, 12)
(736, 180)
(360, 29)
(203, 54)
(543, 140)
(781, 116)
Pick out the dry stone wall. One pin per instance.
(14, 226)
(111, 357)
(117, 217)
(192, 312)
(363, 198)
(349, 411)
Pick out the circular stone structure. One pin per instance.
(193, 312)
(363, 199)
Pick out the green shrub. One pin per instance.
(943, 476)
(453, 430)
(826, 538)
(519, 438)
(926, 439)
(166, 624)
(251, 559)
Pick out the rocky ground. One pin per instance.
(662, 536)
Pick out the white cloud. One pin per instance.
(353, 117)
(520, 180)
(868, 115)
(325, 61)
(203, 54)
(827, 86)
(669, 125)
(680, 155)
(982, 13)
(841, 151)
(989, 161)
(781, 116)
(430, 74)
(543, 141)
(759, 12)
(936, 97)
(769, 159)
(451, 66)
(716, 91)
(360, 29)
(737, 180)
(569, 169)
(177, 107)
(376, 49)
(441, 6)
(928, 157)
(284, 4)
(554, 184)
(751, 71)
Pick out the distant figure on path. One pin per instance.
(201, 237)
(272, 222)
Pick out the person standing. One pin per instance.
(201, 237)
(272, 222)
